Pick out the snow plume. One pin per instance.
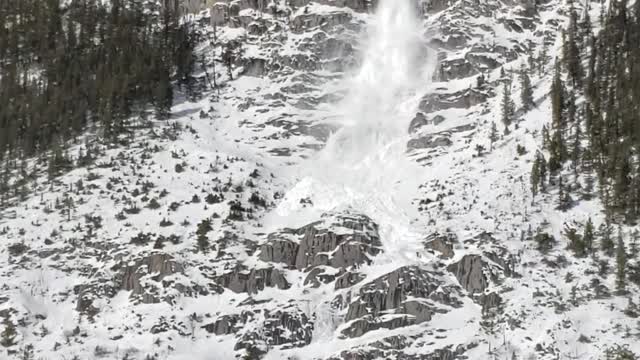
(381, 95)
(364, 167)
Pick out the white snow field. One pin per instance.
(335, 231)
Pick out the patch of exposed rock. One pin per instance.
(243, 280)
(407, 296)
(340, 241)
(151, 279)
(442, 244)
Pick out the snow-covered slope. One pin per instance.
(340, 198)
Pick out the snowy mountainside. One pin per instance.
(337, 197)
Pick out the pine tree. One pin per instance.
(543, 171)
(535, 176)
(588, 236)
(606, 242)
(557, 146)
(493, 135)
(564, 199)
(526, 90)
(621, 264)
(507, 107)
(635, 245)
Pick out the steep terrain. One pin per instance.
(338, 195)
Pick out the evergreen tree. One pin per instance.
(507, 107)
(606, 241)
(621, 264)
(588, 236)
(493, 135)
(543, 170)
(526, 91)
(535, 176)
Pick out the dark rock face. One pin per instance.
(443, 244)
(243, 280)
(320, 275)
(286, 328)
(430, 141)
(489, 302)
(229, 324)
(319, 246)
(403, 297)
(134, 276)
(469, 272)
(348, 279)
(306, 22)
(419, 121)
(383, 350)
(459, 100)
(255, 67)
(475, 272)
(160, 264)
(88, 293)
(437, 140)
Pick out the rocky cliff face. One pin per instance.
(198, 239)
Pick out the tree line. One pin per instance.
(64, 67)
(593, 141)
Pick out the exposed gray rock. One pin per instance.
(87, 294)
(430, 141)
(470, 273)
(418, 121)
(243, 280)
(382, 350)
(320, 275)
(442, 244)
(460, 100)
(489, 301)
(326, 21)
(348, 279)
(406, 296)
(219, 14)
(255, 67)
(287, 328)
(455, 69)
(437, 140)
(319, 244)
(150, 279)
(229, 324)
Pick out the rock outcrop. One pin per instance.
(243, 280)
(409, 295)
(341, 242)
